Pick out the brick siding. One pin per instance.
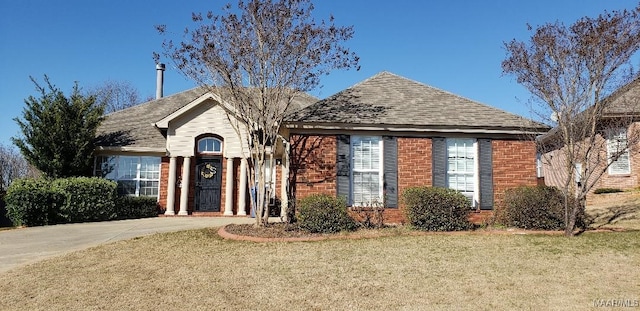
(313, 165)
(514, 164)
(314, 161)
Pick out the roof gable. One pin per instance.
(137, 127)
(164, 122)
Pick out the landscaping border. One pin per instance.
(230, 236)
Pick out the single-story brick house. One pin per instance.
(372, 141)
(367, 143)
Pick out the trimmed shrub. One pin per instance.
(4, 220)
(607, 190)
(436, 209)
(128, 207)
(321, 213)
(87, 198)
(534, 207)
(33, 202)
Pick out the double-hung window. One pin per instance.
(617, 152)
(462, 167)
(135, 176)
(366, 174)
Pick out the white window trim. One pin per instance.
(137, 179)
(612, 134)
(475, 199)
(380, 169)
(209, 152)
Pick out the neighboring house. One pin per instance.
(372, 141)
(617, 145)
(367, 143)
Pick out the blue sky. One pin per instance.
(454, 45)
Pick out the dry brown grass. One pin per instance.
(615, 210)
(197, 270)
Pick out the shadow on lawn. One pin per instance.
(611, 215)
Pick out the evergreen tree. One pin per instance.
(58, 131)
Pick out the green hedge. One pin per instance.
(321, 213)
(87, 198)
(33, 202)
(37, 202)
(534, 207)
(436, 209)
(128, 207)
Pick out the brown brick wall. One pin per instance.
(514, 164)
(414, 163)
(164, 177)
(313, 170)
(414, 169)
(313, 164)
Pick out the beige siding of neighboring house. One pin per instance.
(206, 118)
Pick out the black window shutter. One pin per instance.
(486, 173)
(439, 161)
(390, 158)
(343, 164)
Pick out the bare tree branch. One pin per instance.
(259, 59)
(573, 71)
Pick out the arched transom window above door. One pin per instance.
(209, 145)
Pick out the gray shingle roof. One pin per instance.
(134, 127)
(392, 100)
(625, 100)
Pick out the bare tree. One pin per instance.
(13, 166)
(115, 95)
(259, 61)
(572, 73)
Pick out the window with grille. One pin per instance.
(366, 172)
(135, 175)
(617, 152)
(461, 166)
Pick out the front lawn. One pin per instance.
(197, 270)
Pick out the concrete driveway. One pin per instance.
(27, 245)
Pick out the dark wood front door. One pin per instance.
(208, 184)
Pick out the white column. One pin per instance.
(228, 194)
(284, 182)
(242, 196)
(184, 194)
(171, 188)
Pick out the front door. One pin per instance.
(208, 184)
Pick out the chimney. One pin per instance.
(159, 79)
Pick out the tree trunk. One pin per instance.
(576, 207)
(571, 224)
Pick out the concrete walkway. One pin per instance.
(27, 245)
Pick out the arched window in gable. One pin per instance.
(210, 145)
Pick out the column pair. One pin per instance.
(171, 187)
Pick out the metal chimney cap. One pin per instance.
(160, 66)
